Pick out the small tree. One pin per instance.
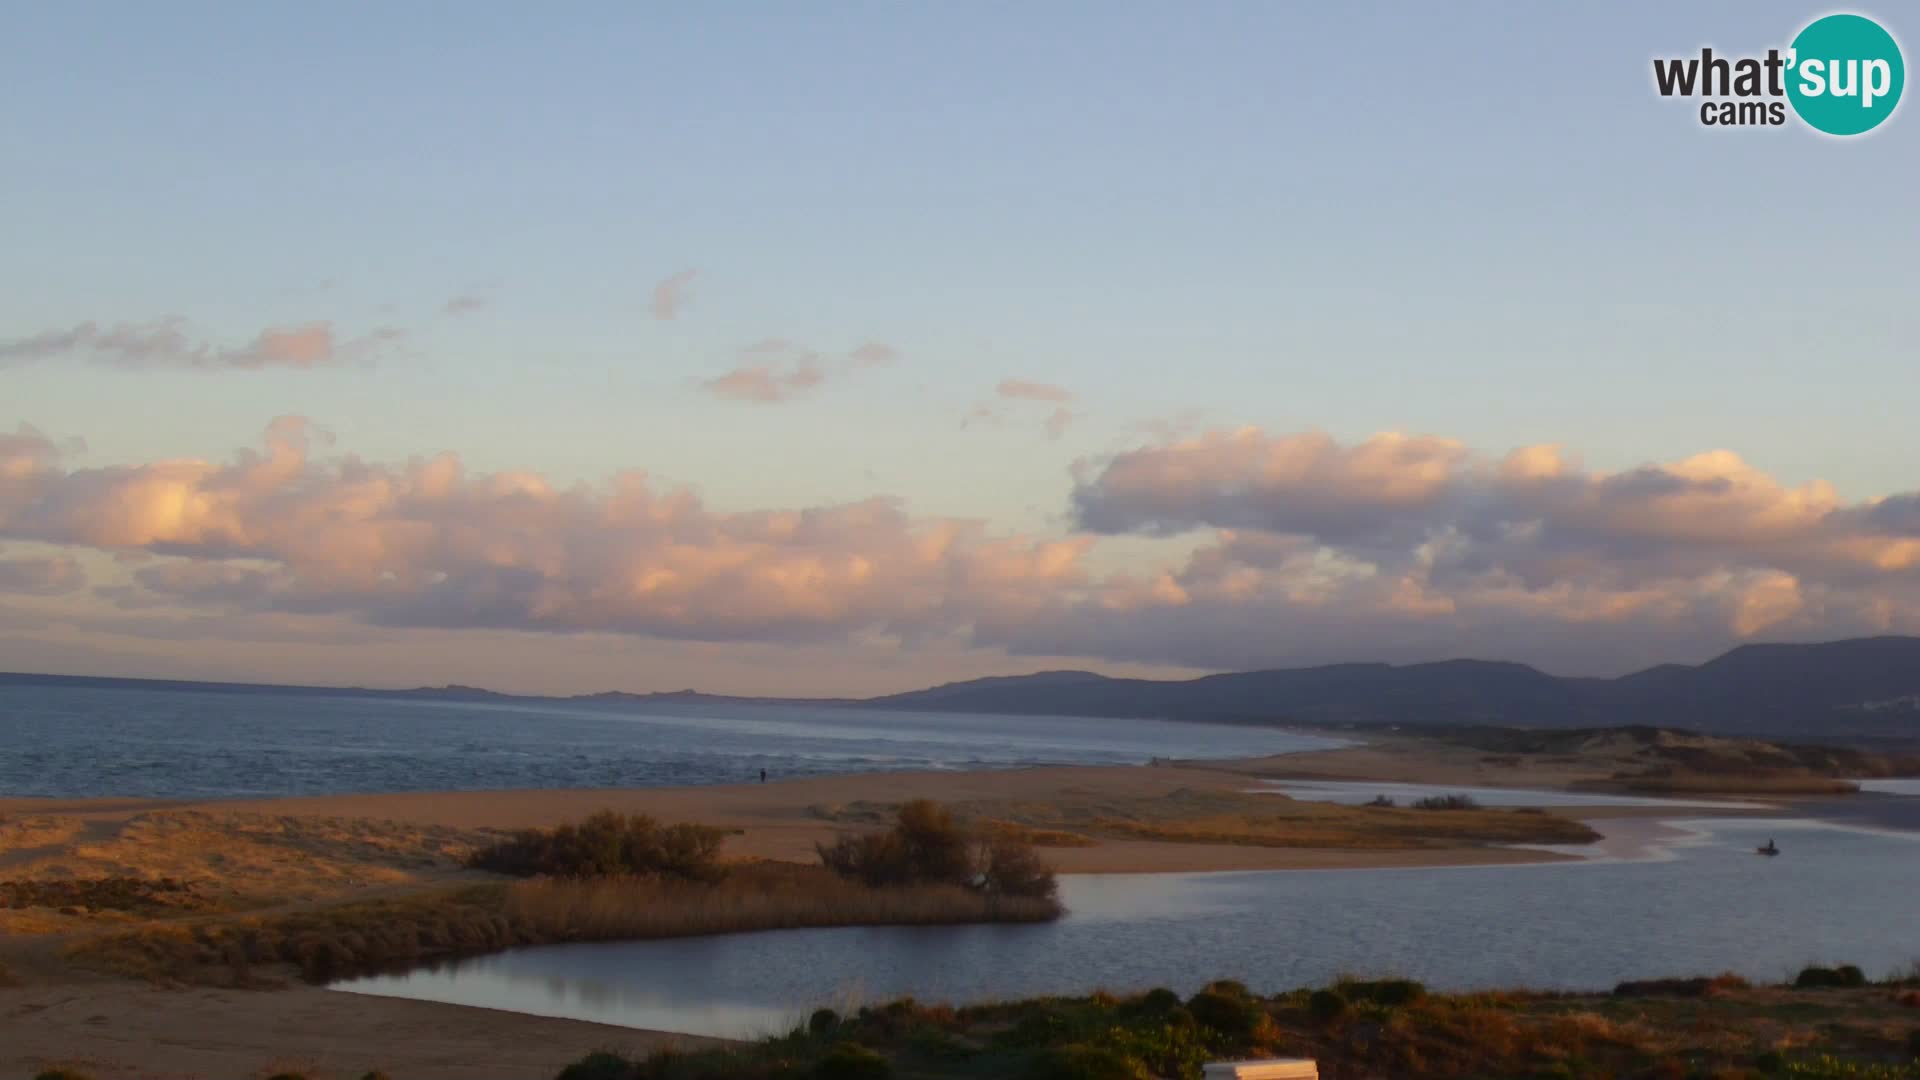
(1011, 867)
(933, 845)
(926, 846)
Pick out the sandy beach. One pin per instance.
(129, 1030)
(783, 820)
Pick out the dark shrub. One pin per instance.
(1232, 1015)
(822, 1021)
(1159, 1001)
(376, 1075)
(1230, 987)
(599, 1065)
(1771, 1062)
(1446, 802)
(1326, 1005)
(62, 1074)
(927, 847)
(1692, 988)
(932, 843)
(688, 852)
(607, 845)
(851, 1061)
(1382, 801)
(288, 1076)
(1845, 975)
(1913, 1044)
(1081, 1062)
(1011, 867)
(1038, 1029)
(873, 859)
(1391, 993)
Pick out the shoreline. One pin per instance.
(782, 820)
(73, 1017)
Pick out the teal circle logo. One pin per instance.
(1845, 74)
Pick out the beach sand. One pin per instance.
(115, 1030)
(780, 820)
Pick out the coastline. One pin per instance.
(782, 820)
(65, 1017)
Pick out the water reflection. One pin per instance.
(1696, 900)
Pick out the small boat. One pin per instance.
(1771, 848)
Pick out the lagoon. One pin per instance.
(1701, 902)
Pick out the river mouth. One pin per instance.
(1358, 792)
(1669, 897)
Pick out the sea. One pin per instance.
(70, 741)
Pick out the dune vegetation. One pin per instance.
(610, 878)
(1674, 1029)
(1224, 816)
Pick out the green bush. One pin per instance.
(1011, 867)
(607, 844)
(1828, 1067)
(1699, 986)
(599, 1065)
(1158, 1001)
(1846, 975)
(1082, 1062)
(1235, 1016)
(822, 1021)
(926, 846)
(1326, 1005)
(1038, 1028)
(851, 1061)
(1391, 993)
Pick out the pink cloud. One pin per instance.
(1305, 550)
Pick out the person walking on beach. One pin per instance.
(763, 776)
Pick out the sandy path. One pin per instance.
(124, 1030)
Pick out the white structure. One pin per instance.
(1269, 1069)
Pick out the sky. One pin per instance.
(849, 348)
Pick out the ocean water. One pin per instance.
(1700, 903)
(84, 742)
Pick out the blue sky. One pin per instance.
(1477, 222)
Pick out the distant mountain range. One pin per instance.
(1865, 687)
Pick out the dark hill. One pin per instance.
(1866, 686)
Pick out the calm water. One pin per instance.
(72, 742)
(1356, 792)
(1704, 904)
